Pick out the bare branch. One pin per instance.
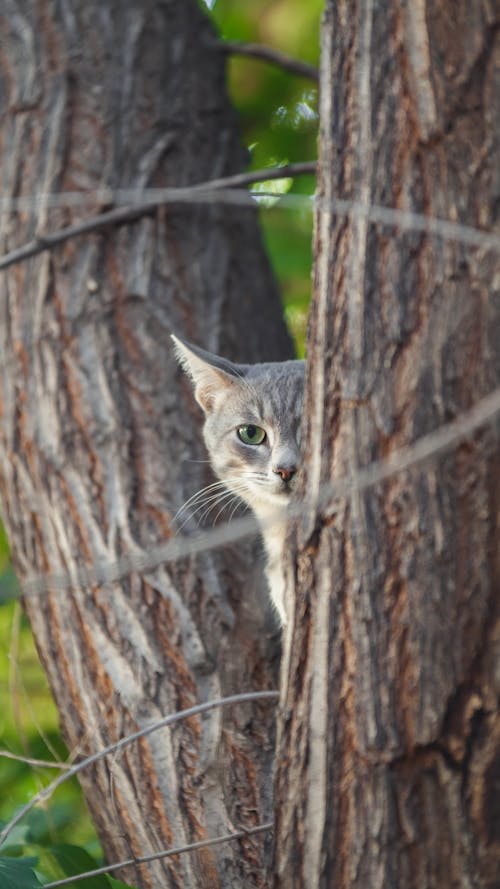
(164, 853)
(28, 760)
(218, 191)
(95, 223)
(196, 710)
(268, 54)
(408, 220)
(302, 168)
(121, 215)
(429, 445)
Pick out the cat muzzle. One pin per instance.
(286, 473)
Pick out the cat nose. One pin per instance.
(286, 472)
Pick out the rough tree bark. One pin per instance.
(389, 748)
(99, 435)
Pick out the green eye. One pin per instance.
(251, 435)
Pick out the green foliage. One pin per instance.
(8, 585)
(277, 109)
(18, 874)
(288, 241)
(69, 860)
(278, 115)
(29, 727)
(279, 120)
(40, 865)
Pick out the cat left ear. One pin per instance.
(208, 377)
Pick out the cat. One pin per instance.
(252, 435)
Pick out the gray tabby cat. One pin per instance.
(251, 431)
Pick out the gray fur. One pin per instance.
(266, 395)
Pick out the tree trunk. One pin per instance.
(99, 434)
(389, 747)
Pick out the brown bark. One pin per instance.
(389, 746)
(99, 435)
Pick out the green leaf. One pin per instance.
(4, 548)
(9, 587)
(18, 873)
(73, 860)
(67, 860)
(267, 193)
(17, 838)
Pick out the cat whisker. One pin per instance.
(230, 496)
(208, 498)
(198, 501)
(193, 515)
(236, 500)
(271, 393)
(213, 503)
(230, 485)
(194, 497)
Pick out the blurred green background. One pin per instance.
(279, 122)
(278, 114)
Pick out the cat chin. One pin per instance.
(271, 500)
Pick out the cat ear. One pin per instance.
(210, 374)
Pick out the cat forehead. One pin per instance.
(274, 391)
(276, 371)
(280, 378)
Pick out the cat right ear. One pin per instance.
(209, 380)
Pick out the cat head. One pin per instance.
(252, 422)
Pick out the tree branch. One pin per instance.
(274, 56)
(28, 760)
(164, 853)
(121, 215)
(424, 448)
(197, 709)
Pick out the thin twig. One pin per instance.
(238, 180)
(18, 690)
(121, 215)
(410, 221)
(148, 200)
(138, 196)
(406, 220)
(95, 223)
(274, 56)
(164, 853)
(196, 710)
(404, 458)
(28, 760)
